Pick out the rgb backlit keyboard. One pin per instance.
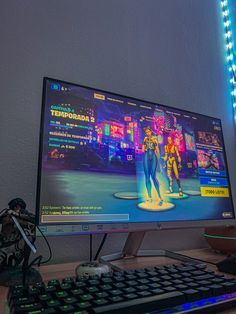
(181, 288)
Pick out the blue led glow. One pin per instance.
(230, 53)
(201, 303)
(195, 305)
(212, 300)
(187, 306)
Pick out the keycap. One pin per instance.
(116, 299)
(84, 305)
(68, 280)
(80, 284)
(147, 303)
(192, 295)
(24, 300)
(66, 308)
(115, 292)
(23, 308)
(144, 293)
(100, 302)
(102, 294)
(92, 289)
(76, 292)
(204, 277)
(86, 297)
(119, 285)
(93, 282)
(106, 287)
(53, 282)
(143, 287)
(70, 300)
(45, 297)
(129, 289)
(217, 289)
(229, 286)
(61, 294)
(53, 303)
(130, 296)
(65, 286)
(154, 285)
(106, 280)
(205, 292)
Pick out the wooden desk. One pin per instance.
(60, 271)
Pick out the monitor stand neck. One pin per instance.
(131, 250)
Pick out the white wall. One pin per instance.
(170, 52)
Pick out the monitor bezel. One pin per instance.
(72, 228)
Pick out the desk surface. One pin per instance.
(59, 271)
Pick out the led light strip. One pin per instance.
(229, 44)
(218, 237)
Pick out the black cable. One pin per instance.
(48, 245)
(90, 247)
(33, 262)
(25, 269)
(100, 246)
(38, 260)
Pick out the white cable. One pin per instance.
(33, 248)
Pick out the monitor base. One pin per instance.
(131, 250)
(11, 276)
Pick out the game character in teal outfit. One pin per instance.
(150, 162)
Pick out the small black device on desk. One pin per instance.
(228, 265)
(180, 288)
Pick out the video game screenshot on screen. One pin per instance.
(108, 158)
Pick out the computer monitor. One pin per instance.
(111, 163)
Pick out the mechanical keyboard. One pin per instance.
(171, 289)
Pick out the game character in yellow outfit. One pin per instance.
(171, 158)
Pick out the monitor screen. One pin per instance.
(108, 161)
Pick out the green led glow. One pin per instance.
(230, 53)
(219, 237)
(107, 129)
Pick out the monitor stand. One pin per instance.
(131, 250)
